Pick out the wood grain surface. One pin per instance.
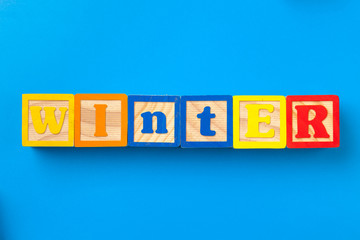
(47, 135)
(328, 121)
(168, 108)
(217, 124)
(88, 120)
(263, 127)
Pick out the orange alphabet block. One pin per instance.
(101, 120)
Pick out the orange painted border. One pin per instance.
(124, 120)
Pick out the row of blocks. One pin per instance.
(114, 120)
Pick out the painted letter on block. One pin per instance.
(48, 120)
(154, 121)
(259, 121)
(101, 120)
(313, 121)
(206, 121)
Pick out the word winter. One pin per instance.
(118, 120)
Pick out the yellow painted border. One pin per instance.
(25, 119)
(236, 122)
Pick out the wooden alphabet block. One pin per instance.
(47, 120)
(206, 121)
(259, 121)
(154, 121)
(101, 120)
(313, 121)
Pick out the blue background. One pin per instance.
(182, 47)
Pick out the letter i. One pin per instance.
(100, 124)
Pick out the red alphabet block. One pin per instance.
(313, 121)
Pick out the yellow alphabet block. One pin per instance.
(47, 120)
(259, 121)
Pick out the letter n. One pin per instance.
(148, 122)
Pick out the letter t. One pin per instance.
(205, 118)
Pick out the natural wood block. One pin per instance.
(313, 121)
(206, 121)
(47, 120)
(154, 121)
(101, 120)
(259, 121)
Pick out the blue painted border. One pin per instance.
(228, 143)
(149, 98)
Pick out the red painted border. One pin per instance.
(333, 144)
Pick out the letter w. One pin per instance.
(40, 126)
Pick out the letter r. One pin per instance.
(303, 121)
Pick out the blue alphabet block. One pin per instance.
(154, 121)
(206, 121)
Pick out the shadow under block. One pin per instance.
(101, 120)
(154, 121)
(313, 121)
(206, 121)
(259, 121)
(48, 120)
